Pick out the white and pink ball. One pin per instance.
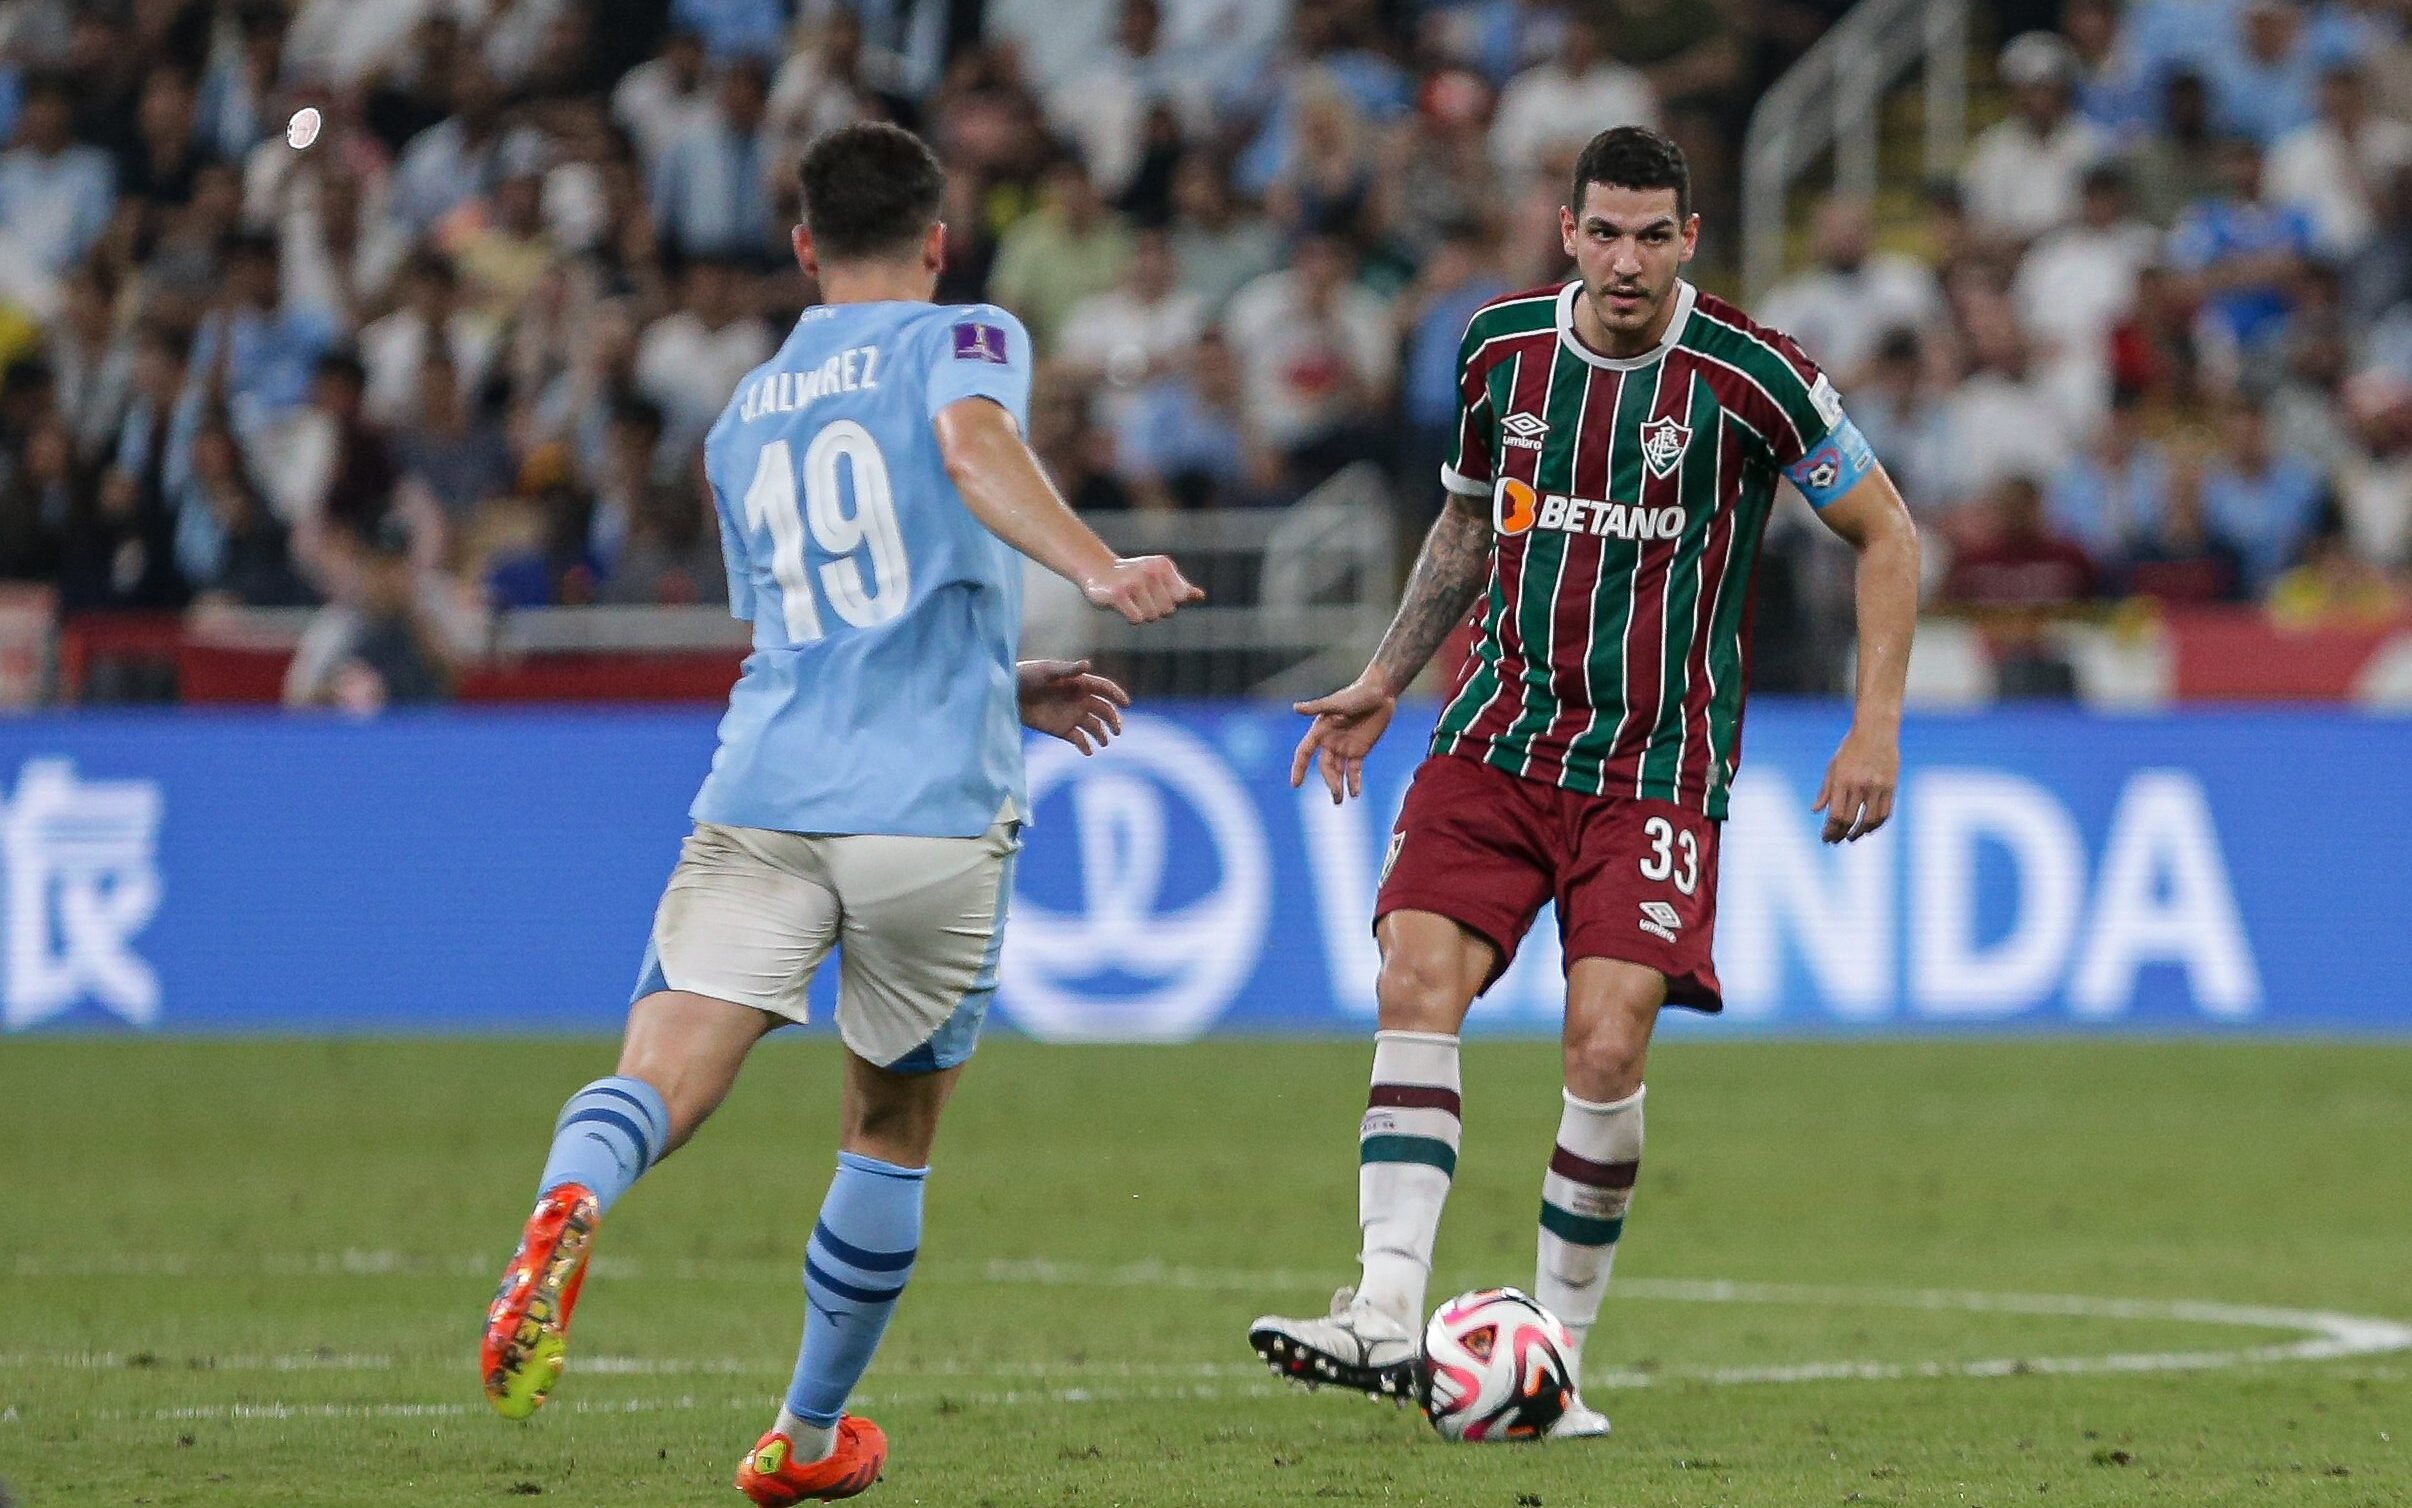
(1496, 1366)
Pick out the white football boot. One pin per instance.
(1356, 1346)
(1580, 1422)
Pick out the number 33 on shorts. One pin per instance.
(1674, 854)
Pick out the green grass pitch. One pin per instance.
(252, 1273)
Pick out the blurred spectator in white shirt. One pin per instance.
(2022, 178)
(1315, 349)
(2336, 168)
(1224, 43)
(690, 360)
(1185, 440)
(2077, 283)
(1052, 40)
(56, 193)
(709, 189)
(1578, 92)
(1055, 42)
(512, 34)
(1839, 309)
(2374, 487)
(1132, 332)
(2000, 420)
(661, 100)
(1103, 107)
(821, 87)
(392, 348)
(343, 41)
(2306, 407)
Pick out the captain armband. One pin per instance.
(1833, 465)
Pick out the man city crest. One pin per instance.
(1663, 441)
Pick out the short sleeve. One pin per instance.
(1473, 447)
(979, 351)
(1811, 409)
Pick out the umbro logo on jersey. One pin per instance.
(1524, 431)
(1663, 441)
(1660, 920)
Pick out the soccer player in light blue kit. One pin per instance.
(873, 488)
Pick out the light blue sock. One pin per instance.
(854, 1271)
(609, 1133)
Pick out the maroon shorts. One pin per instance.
(1633, 880)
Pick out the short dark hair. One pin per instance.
(870, 190)
(1633, 157)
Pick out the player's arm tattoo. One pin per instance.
(1449, 571)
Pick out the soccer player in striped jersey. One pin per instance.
(1619, 446)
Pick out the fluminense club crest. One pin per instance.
(1663, 441)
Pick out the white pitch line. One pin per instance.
(111, 1361)
(281, 1412)
(2321, 1335)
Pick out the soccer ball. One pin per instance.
(1494, 1367)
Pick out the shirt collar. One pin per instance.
(1685, 295)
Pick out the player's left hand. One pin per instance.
(1858, 794)
(1064, 699)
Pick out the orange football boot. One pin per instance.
(772, 1477)
(527, 1328)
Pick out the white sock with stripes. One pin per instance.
(1406, 1155)
(1583, 1202)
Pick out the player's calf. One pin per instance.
(608, 1134)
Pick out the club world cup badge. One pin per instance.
(1663, 441)
(975, 341)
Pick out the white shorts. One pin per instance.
(750, 913)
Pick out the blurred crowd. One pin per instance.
(2156, 340)
(458, 353)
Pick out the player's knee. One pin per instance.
(1421, 990)
(1604, 1056)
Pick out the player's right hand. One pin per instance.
(1142, 588)
(1347, 724)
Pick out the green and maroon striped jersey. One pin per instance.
(1628, 497)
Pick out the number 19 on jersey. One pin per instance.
(866, 578)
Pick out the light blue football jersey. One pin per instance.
(880, 695)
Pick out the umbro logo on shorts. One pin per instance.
(1659, 919)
